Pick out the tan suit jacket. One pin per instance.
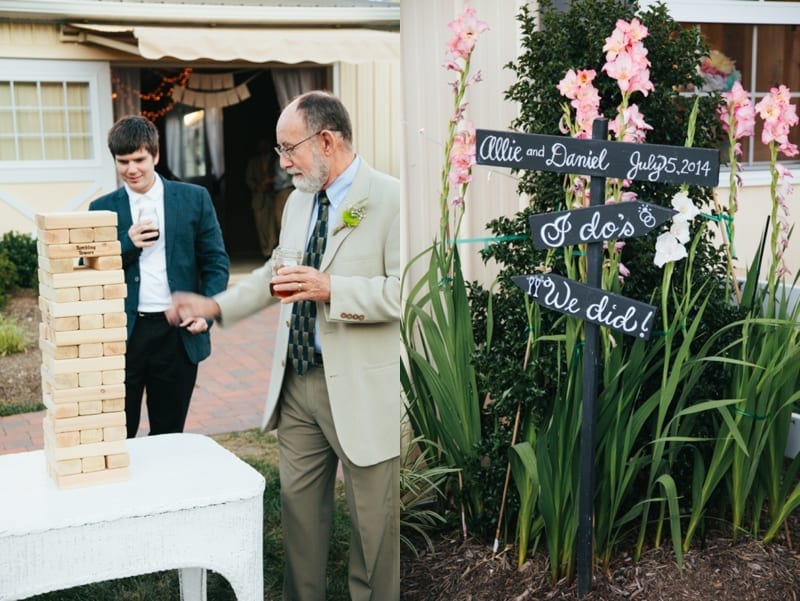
(359, 328)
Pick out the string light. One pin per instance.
(161, 92)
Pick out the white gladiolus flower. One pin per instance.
(668, 250)
(685, 207)
(680, 229)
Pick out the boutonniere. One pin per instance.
(352, 216)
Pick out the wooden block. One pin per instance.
(57, 352)
(110, 249)
(98, 393)
(115, 320)
(105, 263)
(83, 275)
(94, 449)
(90, 322)
(90, 407)
(89, 336)
(111, 405)
(90, 350)
(113, 348)
(121, 474)
(62, 366)
(67, 439)
(58, 295)
(75, 219)
(90, 379)
(105, 234)
(91, 436)
(85, 307)
(115, 433)
(117, 460)
(91, 293)
(59, 381)
(81, 235)
(115, 291)
(56, 265)
(61, 410)
(89, 422)
(68, 466)
(60, 324)
(93, 464)
(114, 376)
(53, 236)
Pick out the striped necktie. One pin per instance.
(304, 313)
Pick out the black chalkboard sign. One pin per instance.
(618, 221)
(623, 160)
(588, 303)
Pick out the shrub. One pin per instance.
(8, 277)
(12, 339)
(21, 250)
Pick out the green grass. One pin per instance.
(163, 586)
(7, 409)
(12, 338)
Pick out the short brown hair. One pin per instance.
(131, 133)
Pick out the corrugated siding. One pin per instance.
(428, 107)
(371, 92)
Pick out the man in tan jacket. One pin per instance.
(340, 400)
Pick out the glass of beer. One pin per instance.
(284, 257)
(148, 213)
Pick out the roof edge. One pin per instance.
(144, 13)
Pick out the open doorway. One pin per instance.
(209, 141)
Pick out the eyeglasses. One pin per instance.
(287, 151)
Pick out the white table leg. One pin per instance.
(193, 584)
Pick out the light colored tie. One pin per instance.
(304, 313)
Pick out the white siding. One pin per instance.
(428, 106)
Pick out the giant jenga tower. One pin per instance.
(82, 336)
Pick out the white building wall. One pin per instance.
(428, 107)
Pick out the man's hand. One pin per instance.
(302, 283)
(143, 234)
(189, 309)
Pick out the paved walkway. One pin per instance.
(229, 394)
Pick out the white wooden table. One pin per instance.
(189, 505)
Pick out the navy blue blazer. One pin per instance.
(196, 257)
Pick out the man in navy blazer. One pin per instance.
(171, 240)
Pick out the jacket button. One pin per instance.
(136, 279)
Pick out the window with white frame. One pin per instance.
(53, 114)
(761, 37)
(45, 121)
(764, 56)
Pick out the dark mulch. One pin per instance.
(745, 571)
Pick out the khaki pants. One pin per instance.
(309, 455)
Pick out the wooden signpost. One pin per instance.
(591, 226)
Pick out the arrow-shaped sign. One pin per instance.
(603, 158)
(617, 221)
(590, 304)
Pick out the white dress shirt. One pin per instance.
(154, 292)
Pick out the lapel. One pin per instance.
(124, 217)
(359, 190)
(171, 221)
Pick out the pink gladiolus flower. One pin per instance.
(466, 28)
(462, 156)
(630, 124)
(626, 57)
(779, 117)
(738, 108)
